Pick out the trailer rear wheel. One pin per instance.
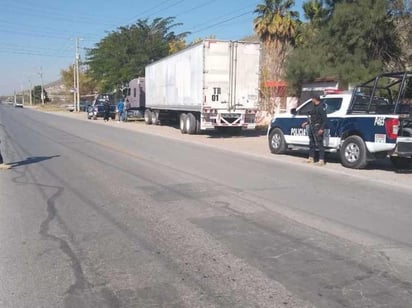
(190, 124)
(182, 123)
(148, 117)
(155, 117)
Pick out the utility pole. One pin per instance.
(74, 87)
(42, 88)
(77, 107)
(31, 99)
(22, 94)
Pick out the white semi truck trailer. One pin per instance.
(209, 85)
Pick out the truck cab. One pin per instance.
(135, 98)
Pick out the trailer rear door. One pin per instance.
(231, 75)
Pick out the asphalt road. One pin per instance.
(100, 216)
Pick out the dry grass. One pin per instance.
(51, 107)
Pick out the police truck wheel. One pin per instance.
(401, 162)
(182, 123)
(277, 142)
(148, 117)
(190, 124)
(353, 153)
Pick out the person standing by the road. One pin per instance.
(2, 164)
(126, 107)
(106, 108)
(316, 126)
(120, 110)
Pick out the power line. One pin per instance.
(168, 7)
(221, 22)
(7, 45)
(34, 54)
(223, 17)
(47, 30)
(34, 34)
(57, 15)
(148, 10)
(196, 7)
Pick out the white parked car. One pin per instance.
(70, 107)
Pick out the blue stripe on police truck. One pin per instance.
(370, 128)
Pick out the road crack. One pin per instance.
(80, 281)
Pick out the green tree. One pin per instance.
(305, 62)
(36, 94)
(87, 84)
(366, 47)
(316, 15)
(200, 39)
(401, 10)
(276, 25)
(176, 45)
(357, 42)
(123, 54)
(315, 12)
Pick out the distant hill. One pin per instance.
(57, 92)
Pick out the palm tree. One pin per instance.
(315, 12)
(276, 25)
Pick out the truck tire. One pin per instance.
(190, 124)
(277, 143)
(148, 117)
(353, 153)
(401, 162)
(155, 117)
(198, 130)
(182, 123)
(94, 117)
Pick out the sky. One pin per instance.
(37, 37)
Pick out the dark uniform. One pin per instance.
(1, 157)
(2, 164)
(106, 108)
(317, 122)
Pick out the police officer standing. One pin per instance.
(106, 108)
(316, 126)
(2, 164)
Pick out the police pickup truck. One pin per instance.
(96, 110)
(374, 121)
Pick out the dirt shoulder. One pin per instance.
(255, 143)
